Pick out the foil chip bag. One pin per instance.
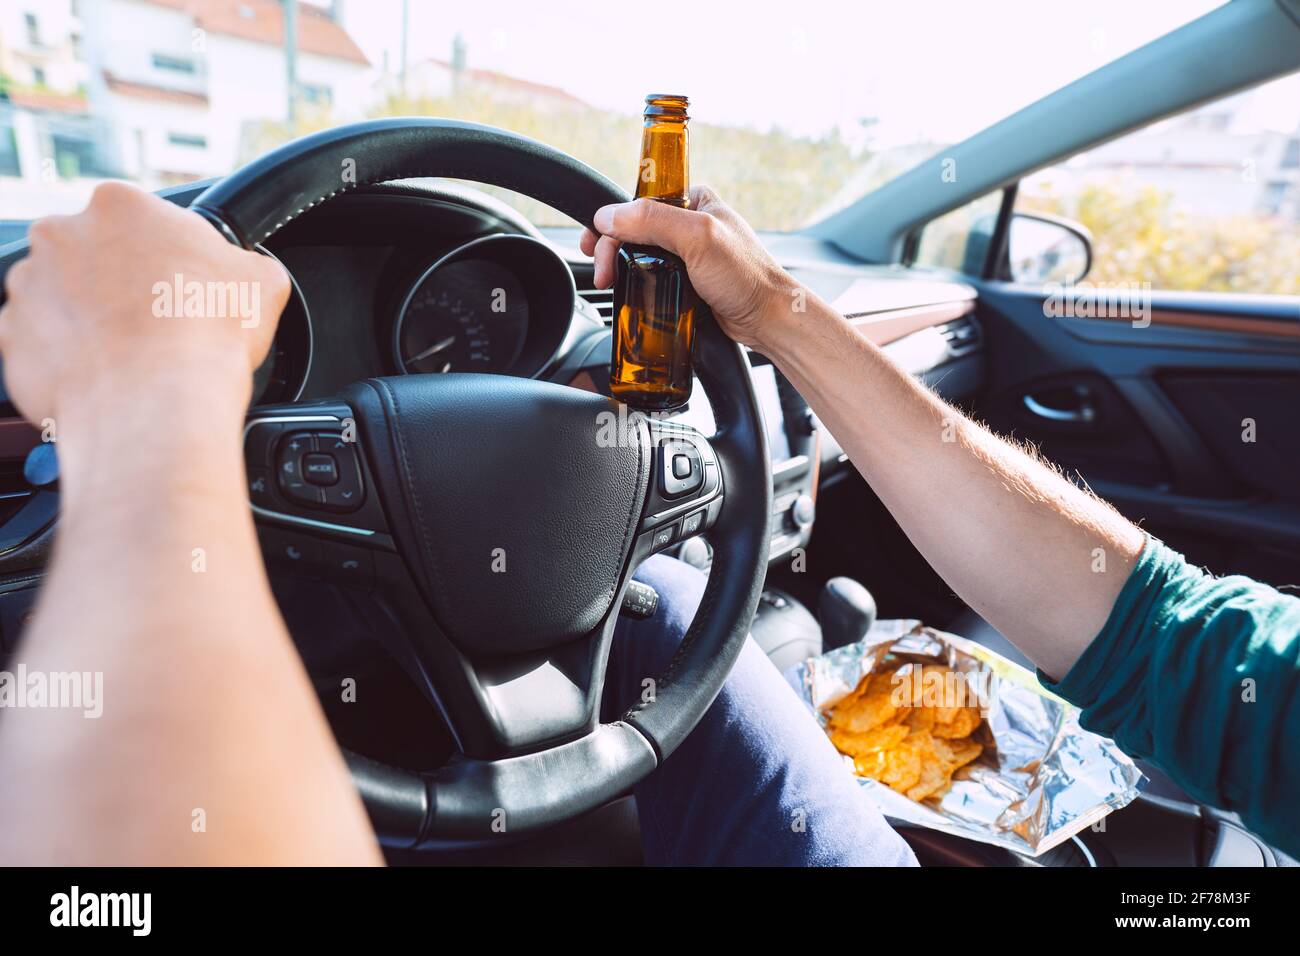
(912, 703)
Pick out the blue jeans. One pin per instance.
(757, 782)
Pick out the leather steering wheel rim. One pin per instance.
(550, 785)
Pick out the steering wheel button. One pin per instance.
(295, 488)
(348, 563)
(663, 537)
(288, 550)
(682, 470)
(259, 488)
(691, 524)
(320, 469)
(333, 442)
(293, 447)
(348, 492)
(304, 494)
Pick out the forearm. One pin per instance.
(211, 746)
(1040, 559)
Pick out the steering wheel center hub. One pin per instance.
(507, 499)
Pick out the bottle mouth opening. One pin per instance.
(668, 105)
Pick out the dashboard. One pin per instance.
(405, 279)
(420, 277)
(423, 276)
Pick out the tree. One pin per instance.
(1139, 237)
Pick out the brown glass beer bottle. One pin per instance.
(655, 308)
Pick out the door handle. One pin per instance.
(1084, 414)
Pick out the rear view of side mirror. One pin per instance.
(1047, 249)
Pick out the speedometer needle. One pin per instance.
(433, 349)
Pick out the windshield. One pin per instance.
(797, 109)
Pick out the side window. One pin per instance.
(960, 239)
(1206, 201)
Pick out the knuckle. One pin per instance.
(42, 232)
(707, 229)
(113, 192)
(643, 211)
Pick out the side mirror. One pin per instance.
(1045, 249)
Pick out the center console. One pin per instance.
(792, 441)
(793, 448)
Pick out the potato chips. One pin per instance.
(947, 735)
(909, 728)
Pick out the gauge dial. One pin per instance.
(467, 315)
(283, 373)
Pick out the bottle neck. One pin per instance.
(664, 170)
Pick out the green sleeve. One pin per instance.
(1201, 675)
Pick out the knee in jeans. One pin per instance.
(643, 647)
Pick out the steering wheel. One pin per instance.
(504, 516)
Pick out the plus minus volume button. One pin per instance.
(289, 469)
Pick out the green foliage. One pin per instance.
(1139, 237)
(774, 179)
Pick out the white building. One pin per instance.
(42, 45)
(156, 91)
(187, 81)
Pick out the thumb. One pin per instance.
(654, 223)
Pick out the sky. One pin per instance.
(928, 70)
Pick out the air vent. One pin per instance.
(603, 300)
(962, 336)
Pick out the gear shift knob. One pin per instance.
(847, 611)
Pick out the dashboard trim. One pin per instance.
(888, 326)
(1215, 322)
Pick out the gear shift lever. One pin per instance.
(847, 611)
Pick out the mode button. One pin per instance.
(320, 469)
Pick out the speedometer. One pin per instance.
(496, 304)
(466, 316)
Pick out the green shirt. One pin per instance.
(1201, 675)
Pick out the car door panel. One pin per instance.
(1186, 422)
